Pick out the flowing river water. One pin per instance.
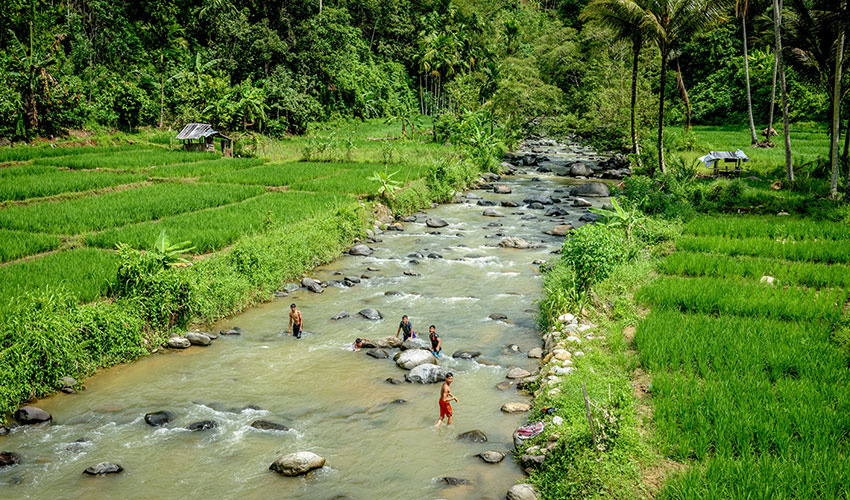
(378, 438)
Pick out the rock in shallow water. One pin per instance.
(561, 230)
(523, 492)
(340, 315)
(361, 250)
(196, 338)
(519, 243)
(265, 425)
(417, 343)
(474, 436)
(377, 353)
(103, 469)
(179, 343)
(594, 189)
(312, 285)
(371, 314)
(296, 464)
(436, 222)
(203, 425)
(516, 407)
(456, 481)
(7, 459)
(158, 418)
(466, 354)
(426, 373)
(491, 457)
(518, 373)
(28, 415)
(412, 358)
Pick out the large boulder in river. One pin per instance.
(474, 436)
(158, 418)
(7, 459)
(516, 407)
(502, 189)
(513, 242)
(265, 425)
(543, 199)
(178, 343)
(196, 338)
(417, 343)
(492, 212)
(371, 314)
(561, 230)
(515, 373)
(466, 354)
(426, 373)
(202, 425)
(390, 342)
(523, 492)
(377, 353)
(340, 315)
(28, 415)
(593, 189)
(361, 250)
(435, 222)
(312, 285)
(491, 457)
(296, 464)
(412, 358)
(103, 469)
(579, 168)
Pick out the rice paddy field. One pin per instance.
(748, 385)
(63, 210)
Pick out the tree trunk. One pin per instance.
(680, 83)
(161, 85)
(772, 96)
(753, 136)
(636, 46)
(836, 114)
(664, 55)
(777, 26)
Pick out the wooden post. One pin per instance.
(589, 415)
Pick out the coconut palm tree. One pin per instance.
(673, 22)
(627, 19)
(742, 9)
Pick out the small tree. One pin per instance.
(591, 251)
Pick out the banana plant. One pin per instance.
(619, 217)
(171, 253)
(388, 186)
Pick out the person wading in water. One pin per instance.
(407, 327)
(296, 322)
(446, 397)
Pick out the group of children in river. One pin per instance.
(405, 327)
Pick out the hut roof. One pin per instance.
(198, 131)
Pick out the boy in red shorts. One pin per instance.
(446, 397)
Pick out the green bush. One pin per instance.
(592, 251)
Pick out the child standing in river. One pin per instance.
(446, 397)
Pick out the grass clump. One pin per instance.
(123, 207)
(774, 227)
(17, 244)
(826, 251)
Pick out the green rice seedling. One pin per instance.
(808, 274)
(718, 296)
(279, 174)
(127, 160)
(17, 244)
(774, 227)
(350, 182)
(826, 251)
(122, 207)
(13, 172)
(55, 181)
(204, 168)
(731, 346)
(84, 272)
(216, 228)
(25, 153)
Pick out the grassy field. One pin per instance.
(748, 385)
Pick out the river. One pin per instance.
(378, 438)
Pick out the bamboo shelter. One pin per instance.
(201, 137)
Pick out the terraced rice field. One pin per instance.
(749, 388)
(64, 210)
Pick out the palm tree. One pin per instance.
(742, 8)
(627, 19)
(777, 34)
(673, 22)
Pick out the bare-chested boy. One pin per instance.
(446, 397)
(296, 322)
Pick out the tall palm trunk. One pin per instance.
(664, 55)
(777, 27)
(836, 113)
(680, 83)
(161, 85)
(772, 97)
(636, 46)
(753, 136)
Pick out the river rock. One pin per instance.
(561, 230)
(590, 217)
(340, 315)
(394, 227)
(509, 204)
(7, 459)
(362, 250)
(543, 199)
(492, 212)
(536, 206)
(158, 418)
(486, 203)
(411, 273)
(196, 338)
(535, 353)
(372, 269)
(518, 373)
(472, 196)
(491, 457)
(523, 492)
(490, 176)
(265, 425)
(455, 481)
(312, 285)
(103, 469)
(579, 168)
(412, 358)
(502, 189)
(4, 430)
(516, 407)
(371, 314)
(28, 415)
(498, 317)
(67, 382)
(486, 362)
(556, 212)
(296, 464)
(581, 202)
(417, 343)
(593, 189)
(474, 436)
(505, 385)
(435, 222)
(202, 425)
(179, 343)
(352, 279)
(433, 255)
(466, 354)
(377, 353)
(394, 381)
(426, 373)
(519, 243)
(232, 331)
(390, 342)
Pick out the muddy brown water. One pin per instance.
(337, 402)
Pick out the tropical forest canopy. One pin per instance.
(275, 66)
